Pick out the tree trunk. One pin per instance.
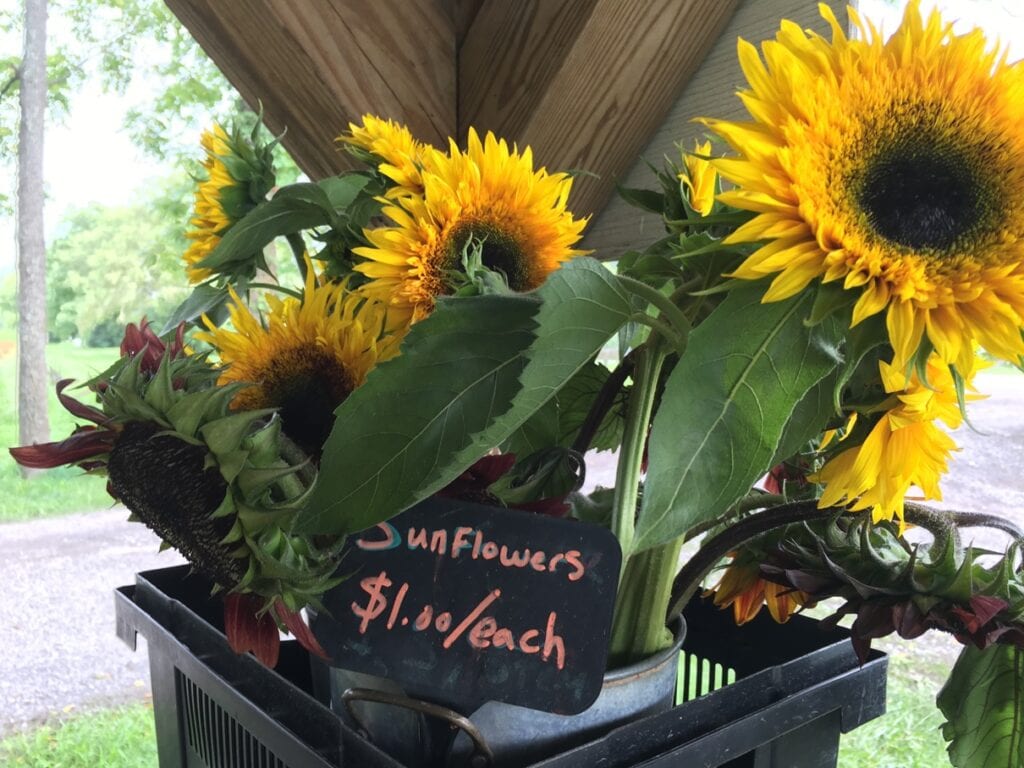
(33, 383)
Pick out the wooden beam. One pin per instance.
(584, 82)
(712, 93)
(316, 65)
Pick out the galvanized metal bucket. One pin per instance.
(496, 735)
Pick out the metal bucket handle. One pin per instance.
(482, 756)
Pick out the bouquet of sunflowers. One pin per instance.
(783, 361)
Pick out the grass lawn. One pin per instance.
(56, 491)
(117, 738)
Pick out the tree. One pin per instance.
(33, 422)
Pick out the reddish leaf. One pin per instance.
(83, 444)
(300, 630)
(247, 630)
(81, 410)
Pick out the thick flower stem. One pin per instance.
(638, 629)
(638, 416)
(298, 246)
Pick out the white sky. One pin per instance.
(89, 158)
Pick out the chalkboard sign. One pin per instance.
(461, 604)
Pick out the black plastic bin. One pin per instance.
(760, 696)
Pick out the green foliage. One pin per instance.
(118, 738)
(421, 419)
(459, 369)
(725, 406)
(984, 708)
(110, 266)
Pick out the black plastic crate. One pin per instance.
(760, 696)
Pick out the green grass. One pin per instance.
(117, 738)
(907, 735)
(57, 491)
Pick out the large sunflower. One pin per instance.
(905, 447)
(394, 146)
(896, 167)
(238, 176)
(489, 192)
(305, 359)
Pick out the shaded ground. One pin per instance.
(60, 652)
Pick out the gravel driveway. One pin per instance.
(60, 652)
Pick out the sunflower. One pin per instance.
(904, 448)
(489, 193)
(238, 176)
(393, 144)
(743, 588)
(895, 167)
(306, 358)
(699, 179)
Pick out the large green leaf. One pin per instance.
(465, 381)
(810, 418)
(293, 209)
(584, 305)
(458, 370)
(983, 702)
(725, 406)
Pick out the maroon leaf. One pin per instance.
(987, 608)
(300, 630)
(76, 408)
(85, 443)
(248, 630)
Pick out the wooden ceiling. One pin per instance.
(586, 83)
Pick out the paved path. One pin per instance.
(59, 650)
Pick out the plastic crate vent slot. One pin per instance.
(215, 737)
(699, 676)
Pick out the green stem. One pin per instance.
(741, 507)
(666, 331)
(638, 417)
(661, 302)
(603, 403)
(298, 246)
(638, 628)
(718, 218)
(276, 287)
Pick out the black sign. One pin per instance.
(462, 603)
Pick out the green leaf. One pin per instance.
(292, 209)
(644, 199)
(414, 426)
(458, 370)
(984, 709)
(206, 299)
(810, 418)
(342, 190)
(725, 406)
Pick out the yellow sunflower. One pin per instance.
(895, 167)
(905, 448)
(237, 178)
(742, 588)
(489, 192)
(305, 359)
(699, 179)
(395, 146)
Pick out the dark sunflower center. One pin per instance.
(923, 196)
(306, 386)
(500, 253)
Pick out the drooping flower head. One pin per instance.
(490, 193)
(743, 588)
(904, 448)
(896, 167)
(397, 155)
(699, 178)
(239, 173)
(305, 359)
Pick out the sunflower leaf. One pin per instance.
(468, 377)
(983, 702)
(458, 370)
(725, 407)
(292, 209)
